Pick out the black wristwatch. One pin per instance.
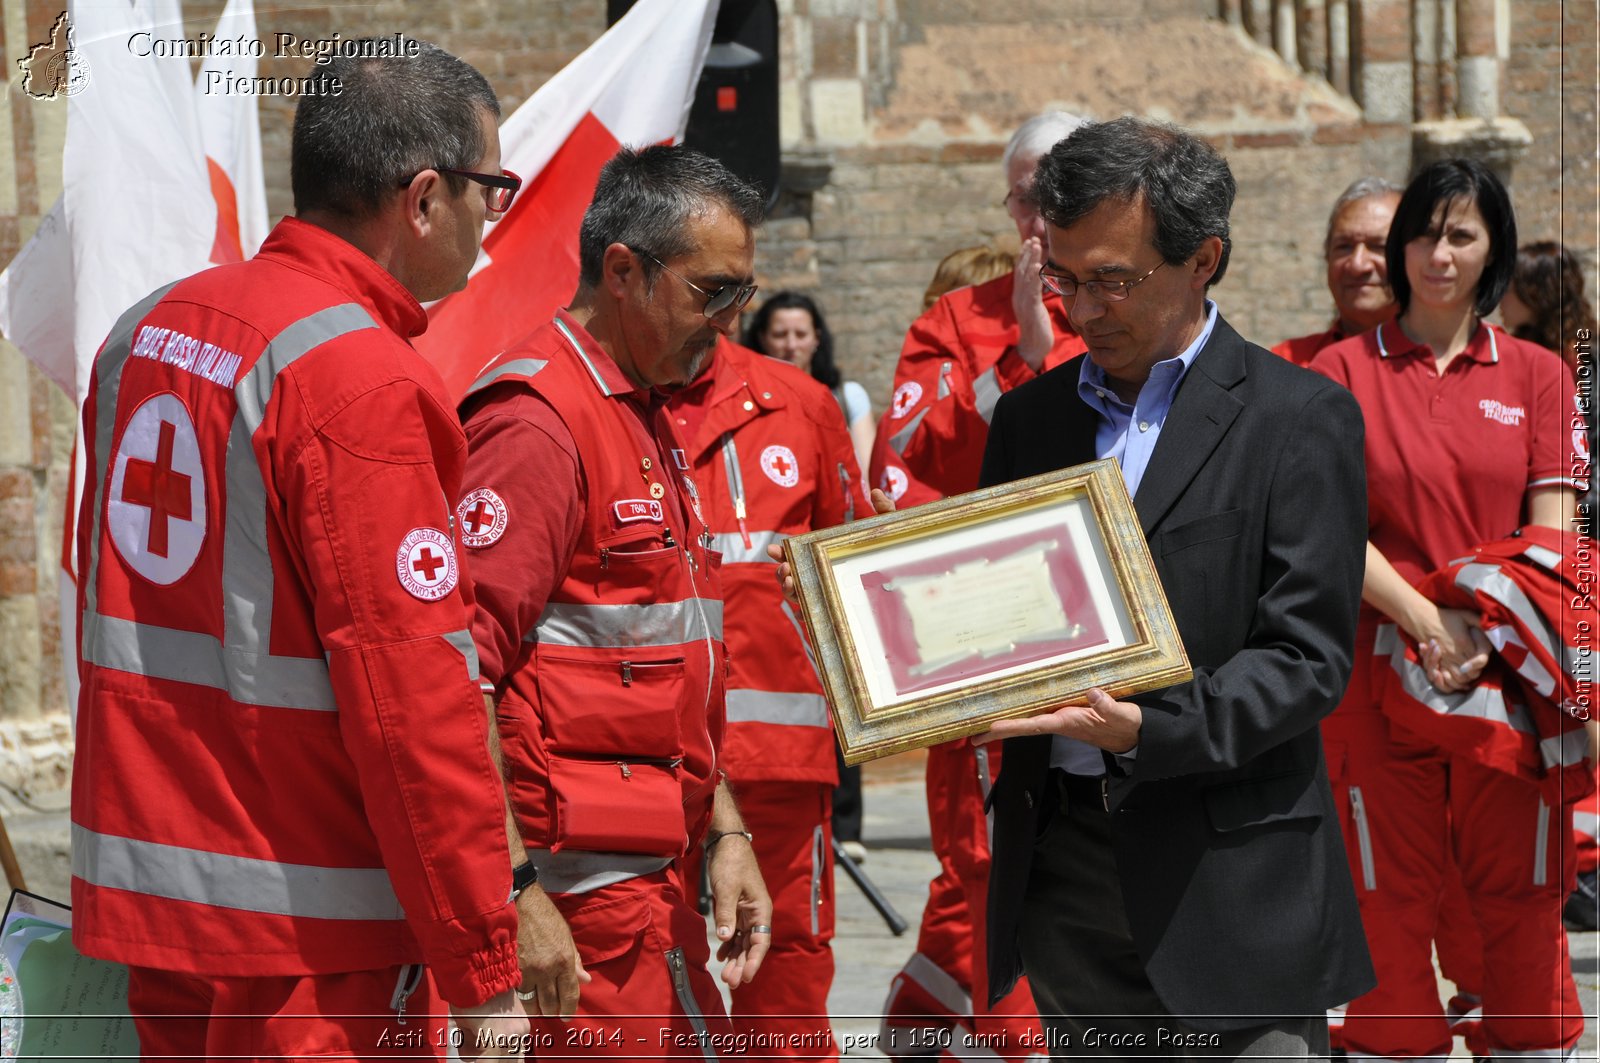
(522, 877)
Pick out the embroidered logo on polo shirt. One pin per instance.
(1499, 411)
(426, 564)
(483, 518)
(906, 396)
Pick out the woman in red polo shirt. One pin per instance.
(1467, 439)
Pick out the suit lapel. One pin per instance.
(1201, 414)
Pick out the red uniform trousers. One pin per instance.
(946, 983)
(787, 1002)
(650, 994)
(1410, 810)
(327, 1016)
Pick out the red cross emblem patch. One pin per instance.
(157, 497)
(483, 518)
(895, 482)
(779, 465)
(426, 564)
(906, 396)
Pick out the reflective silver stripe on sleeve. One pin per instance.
(1491, 581)
(902, 439)
(1587, 823)
(194, 657)
(1565, 750)
(462, 641)
(789, 709)
(1481, 702)
(301, 891)
(1543, 557)
(945, 369)
(985, 393)
(247, 578)
(113, 356)
(575, 871)
(618, 626)
(515, 367)
(731, 546)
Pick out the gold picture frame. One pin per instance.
(930, 624)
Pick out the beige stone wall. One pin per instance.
(903, 107)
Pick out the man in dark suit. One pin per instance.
(1168, 870)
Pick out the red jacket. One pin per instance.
(1302, 349)
(958, 359)
(611, 702)
(888, 472)
(1525, 715)
(281, 765)
(770, 448)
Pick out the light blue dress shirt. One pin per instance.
(1129, 434)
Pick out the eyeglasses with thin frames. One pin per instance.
(1105, 291)
(502, 186)
(726, 298)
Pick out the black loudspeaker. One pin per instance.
(735, 113)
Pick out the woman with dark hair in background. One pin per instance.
(1546, 303)
(790, 327)
(1467, 439)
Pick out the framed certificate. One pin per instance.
(930, 624)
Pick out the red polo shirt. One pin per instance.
(1451, 457)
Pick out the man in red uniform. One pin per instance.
(599, 624)
(973, 345)
(1358, 278)
(772, 453)
(283, 802)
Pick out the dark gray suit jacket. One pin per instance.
(1225, 834)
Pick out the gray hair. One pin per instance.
(1361, 188)
(1038, 135)
(645, 198)
(385, 119)
(1186, 184)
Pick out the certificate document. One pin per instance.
(995, 605)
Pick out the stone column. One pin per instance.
(1383, 78)
(1477, 60)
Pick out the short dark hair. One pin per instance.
(645, 198)
(823, 368)
(392, 117)
(1444, 182)
(1186, 183)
